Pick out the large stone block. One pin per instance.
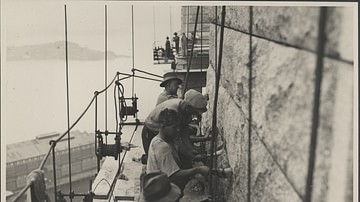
(346, 39)
(237, 17)
(212, 43)
(234, 70)
(297, 26)
(282, 104)
(293, 25)
(283, 82)
(340, 33)
(334, 132)
(268, 183)
(232, 125)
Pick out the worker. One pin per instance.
(163, 155)
(171, 82)
(156, 187)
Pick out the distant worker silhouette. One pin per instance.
(167, 49)
(176, 41)
(184, 43)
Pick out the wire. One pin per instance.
(74, 124)
(67, 99)
(122, 160)
(103, 179)
(133, 49)
(148, 73)
(106, 67)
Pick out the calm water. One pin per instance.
(34, 95)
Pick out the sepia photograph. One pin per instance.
(179, 101)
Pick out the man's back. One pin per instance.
(162, 156)
(152, 121)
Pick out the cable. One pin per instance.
(217, 83)
(106, 67)
(74, 124)
(67, 99)
(148, 73)
(133, 49)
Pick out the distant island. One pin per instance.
(56, 51)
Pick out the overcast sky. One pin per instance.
(41, 22)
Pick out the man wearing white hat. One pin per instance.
(193, 102)
(171, 84)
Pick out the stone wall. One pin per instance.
(280, 103)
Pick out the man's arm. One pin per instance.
(185, 173)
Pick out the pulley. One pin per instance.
(128, 110)
(104, 149)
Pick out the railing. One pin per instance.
(54, 142)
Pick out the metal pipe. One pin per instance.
(141, 77)
(53, 144)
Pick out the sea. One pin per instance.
(34, 95)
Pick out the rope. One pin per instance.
(116, 117)
(154, 27)
(74, 124)
(201, 45)
(132, 136)
(67, 99)
(170, 20)
(133, 47)
(106, 116)
(103, 179)
(217, 82)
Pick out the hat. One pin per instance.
(170, 76)
(157, 188)
(196, 100)
(175, 33)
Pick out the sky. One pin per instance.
(38, 22)
(41, 22)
